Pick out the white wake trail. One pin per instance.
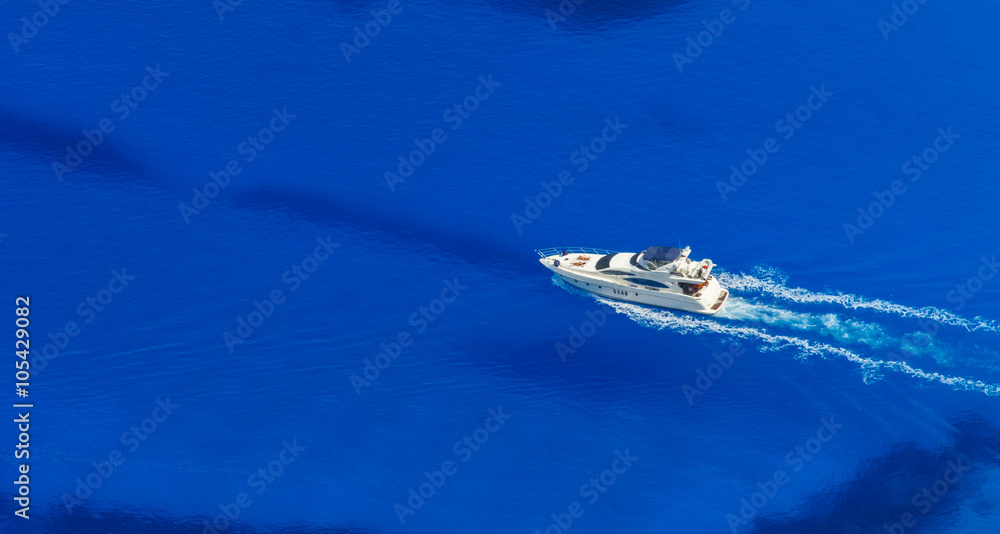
(842, 330)
(768, 284)
(845, 330)
(871, 367)
(690, 324)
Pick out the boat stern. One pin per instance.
(719, 302)
(713, 297)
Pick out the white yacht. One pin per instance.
(658, 276)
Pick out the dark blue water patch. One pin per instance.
(360, 5)
(54, 519)
(402, 238)
(48, 142)
(588, 16)
(886, 487)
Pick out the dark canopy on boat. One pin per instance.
(661, 254)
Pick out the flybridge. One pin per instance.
(663, 260)
(676, 262)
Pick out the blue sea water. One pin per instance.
(851, 385)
